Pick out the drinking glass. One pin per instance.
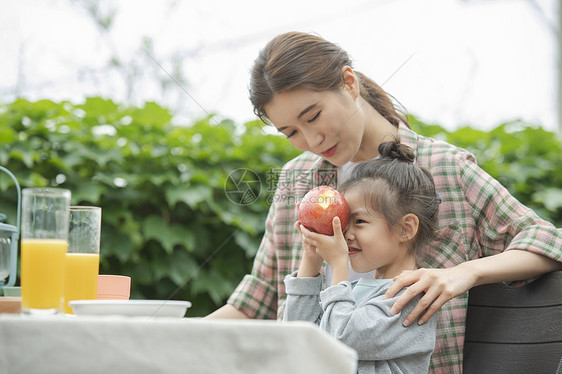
(81, 263)
(43, 246)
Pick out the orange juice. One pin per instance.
(42, 270)
(80, 277)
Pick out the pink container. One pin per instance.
(114, 287)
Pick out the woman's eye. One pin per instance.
(314, 118)
(291, 134)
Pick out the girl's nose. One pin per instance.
(348, 235)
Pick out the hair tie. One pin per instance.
(439, 197)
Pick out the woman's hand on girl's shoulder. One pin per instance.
(439, 286)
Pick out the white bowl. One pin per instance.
(146, 308)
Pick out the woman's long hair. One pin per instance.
(301, 60)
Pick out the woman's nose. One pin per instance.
(313, 138)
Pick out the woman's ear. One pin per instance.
(410, 225)
(350, 82)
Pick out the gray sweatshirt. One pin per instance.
(357, 315)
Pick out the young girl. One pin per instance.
(307, 87)
(393, 213)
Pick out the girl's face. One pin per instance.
(372, 244)
(330, 124)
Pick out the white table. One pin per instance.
(121, 345)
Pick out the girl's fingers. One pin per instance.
(304, 230)
(339, 239)
(310, 241)
(312, 234)
(336, 225)
(325, 242)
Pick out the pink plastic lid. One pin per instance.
(114, 287)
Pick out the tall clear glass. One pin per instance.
(45, 216)
(82, 260)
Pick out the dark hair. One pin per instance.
(394, 186)
(301, 60)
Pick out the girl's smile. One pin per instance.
(353, 251)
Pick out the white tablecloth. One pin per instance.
(121, 345)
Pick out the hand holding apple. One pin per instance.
(319, 207)
(332, 249)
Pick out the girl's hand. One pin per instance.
(439, 285)
(309, 249)
(311, 262)
(333, 249)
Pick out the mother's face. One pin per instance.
(328, 123)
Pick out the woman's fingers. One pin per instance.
(438, 286)
(416, 283)
(426, 302)
(435, 306)
(404, 279)
(411, 292)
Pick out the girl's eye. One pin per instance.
(291, 134)
(359, 221)
(314, 118)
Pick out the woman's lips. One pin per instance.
(330, 152)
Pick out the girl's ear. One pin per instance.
(350, 82)
(410, 225)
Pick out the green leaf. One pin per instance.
(7, 135)
(87, 193)
(249, 243)
(115, 243)
(182, 269)
(550, 197)
(25, 156)
(167, 235)
(191, 195)
(216, 286)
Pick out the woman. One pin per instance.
(307, 88)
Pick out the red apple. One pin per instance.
(319, 207)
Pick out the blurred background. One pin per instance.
(456, 62)
(141, 108)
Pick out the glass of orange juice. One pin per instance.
(45, 213)
(81, 263)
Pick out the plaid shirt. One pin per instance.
(478, 217)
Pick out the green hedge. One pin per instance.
(166, 218)
(173, 217)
